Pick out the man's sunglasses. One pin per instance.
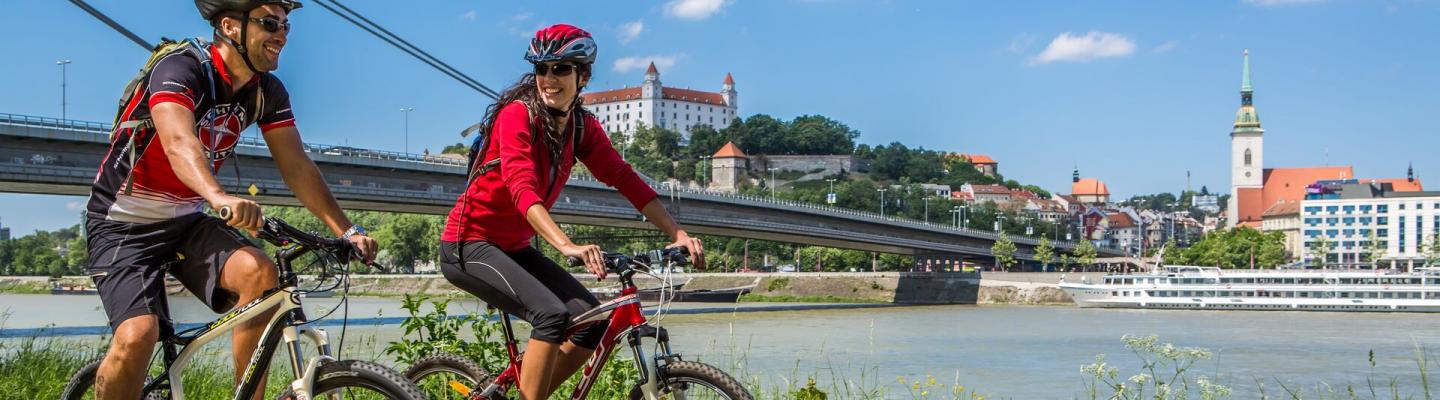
(272, 25)
(561, 70)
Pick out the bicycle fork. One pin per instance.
(650, 368)
(304, 385)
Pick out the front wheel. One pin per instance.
(693, 380)
(359, 380)
(81, 385)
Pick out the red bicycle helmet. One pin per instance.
(561, 42)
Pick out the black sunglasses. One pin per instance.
(271, 25)
(561, 70)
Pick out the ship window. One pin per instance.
(1389, 295)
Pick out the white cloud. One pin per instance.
(74, 206)
(1093, 45)
(694, 9)
(1279, 3)
(522, 16)
(631, 30)
(1166, 47)
(470, 15)
(627, 64)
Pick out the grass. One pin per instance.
(760, 298)
(23, 287)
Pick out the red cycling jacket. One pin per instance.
(493, 208)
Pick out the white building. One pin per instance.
(1347, 213)
(623, 110)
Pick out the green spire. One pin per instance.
(1245, 76)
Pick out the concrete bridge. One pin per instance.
(49, 156)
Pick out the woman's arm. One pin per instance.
(539, 219)
(658, 215)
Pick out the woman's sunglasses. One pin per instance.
(561, 70)
(272, 25)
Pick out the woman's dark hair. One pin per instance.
(526, 92)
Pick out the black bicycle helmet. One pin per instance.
(209, 9)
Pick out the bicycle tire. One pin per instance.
(360, 374)
(680, 374)
(439, 363)
(82, 381)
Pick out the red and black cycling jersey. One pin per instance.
(136, 182)
(492, 209)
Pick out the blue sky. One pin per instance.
(1135, 92)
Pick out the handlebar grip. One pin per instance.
(224, 213)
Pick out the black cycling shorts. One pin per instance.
(128, 262)
(525, 284)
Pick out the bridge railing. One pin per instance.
(104, 129)
(664, 186)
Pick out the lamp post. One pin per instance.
(63, 105)
(882, 201)
(955, 215)
(965, 216)
(999, 223)
(927, 208)
(707, 171)
(830, 199)
(772, 183)
(407, 111)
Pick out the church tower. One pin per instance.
(1247, 151)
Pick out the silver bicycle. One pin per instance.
(319, 376)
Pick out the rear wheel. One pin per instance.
(692, 380)
(447, 376)
(359, 380)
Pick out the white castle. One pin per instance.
(623, 110)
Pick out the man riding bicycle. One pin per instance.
(181, 123)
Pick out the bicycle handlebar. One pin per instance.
(619, 263)
(279, 233)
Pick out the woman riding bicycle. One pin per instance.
(534, 134)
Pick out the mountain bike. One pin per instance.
(319, 376)
(662, 373)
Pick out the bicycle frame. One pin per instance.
(288, 323)
(626, 318)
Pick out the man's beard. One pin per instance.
(260, 60)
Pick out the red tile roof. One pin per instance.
(1283, 208)
(652, 69)
(694, 96)
(613, 95)
(729, 80)
(730, 150)
(1400, 184)
(1089, 187)
(978, 159)
(1285, 184)
(990, 189)
(1120, 220)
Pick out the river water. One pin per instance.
(1021, 352)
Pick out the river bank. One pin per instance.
(859, 287)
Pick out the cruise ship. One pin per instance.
(1210, 288)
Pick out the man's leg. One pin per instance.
(248, 274)
(122, 373)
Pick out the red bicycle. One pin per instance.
(662, 374)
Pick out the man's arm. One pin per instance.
(175, 126)
(305, 180)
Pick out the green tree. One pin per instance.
(1320, 251)
(1432, 250)
(1045, 253)
(457, 148)
(1234, 248)
(704, 141)
(1374, 249)
(1085, 253)
(1004, 251)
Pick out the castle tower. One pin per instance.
(727, 91)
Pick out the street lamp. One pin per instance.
(882, 201)
(706, 185)
(830, 199)
(999, 222)
(965, 216)
(955, 215)
(407, 111)
(62, 64)
(927, 208)
(772, 183)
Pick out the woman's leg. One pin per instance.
(574, 352)
(498, 280)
